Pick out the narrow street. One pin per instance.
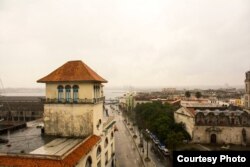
(126, 153)
(157, 161)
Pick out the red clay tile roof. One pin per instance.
(191, 111)
(70, 160)
(73, 71)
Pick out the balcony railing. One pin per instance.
(74, 101)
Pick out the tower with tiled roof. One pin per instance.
(74, 101)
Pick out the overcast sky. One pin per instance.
(167, 43)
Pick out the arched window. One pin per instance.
(96, 91)
(99, 164)
(60, 93)
(88, 162)
(106, 142)
(106, 158)
(112, 135)
(232, 121)
(98, 152)
(75, 93)
(67, 93)
(199, 118)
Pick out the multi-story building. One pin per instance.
(221, 126)
(216, 123)
(236, 102)
(127, 101)
(75, 132)
(21, 108)
(247, 90)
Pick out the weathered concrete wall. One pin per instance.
(224, 134)
(182, 116)
(98, 115)
(86, 90)
(68, 119)
(101, 158)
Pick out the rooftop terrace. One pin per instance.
(24, 140)
(30, 141)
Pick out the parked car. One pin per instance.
(161, 147)
(165, 152)
(151, 136)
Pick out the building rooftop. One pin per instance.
(27, 147)
(227, 112)
(21, 98)
(73, 71)
(25, 140)
(217, 112)
(69, 159)
(57, 147)
(200, 104)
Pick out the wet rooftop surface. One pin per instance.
(24, 140)
(30, 141)
(57, 147)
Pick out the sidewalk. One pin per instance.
(136, 143)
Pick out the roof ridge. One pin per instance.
(75, 61)
(89, 70)
(75, 70)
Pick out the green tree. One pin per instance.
(187, 94)
(198, 95)
(174, 139)
(159, 119)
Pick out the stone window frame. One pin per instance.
(111, 135)
(106, 157)
(67, 93)
(98, 151)
(200, 118)
(99, 163)
(88, 162)
(106, 142)
(75, 92)
(60, 91)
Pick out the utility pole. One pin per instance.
(147, 159)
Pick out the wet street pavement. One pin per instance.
(126, 153)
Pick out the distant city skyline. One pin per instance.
(138, 43)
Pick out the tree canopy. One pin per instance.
(198, 95)
(159, 119)
(187, 94)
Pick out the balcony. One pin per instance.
(74, 101)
